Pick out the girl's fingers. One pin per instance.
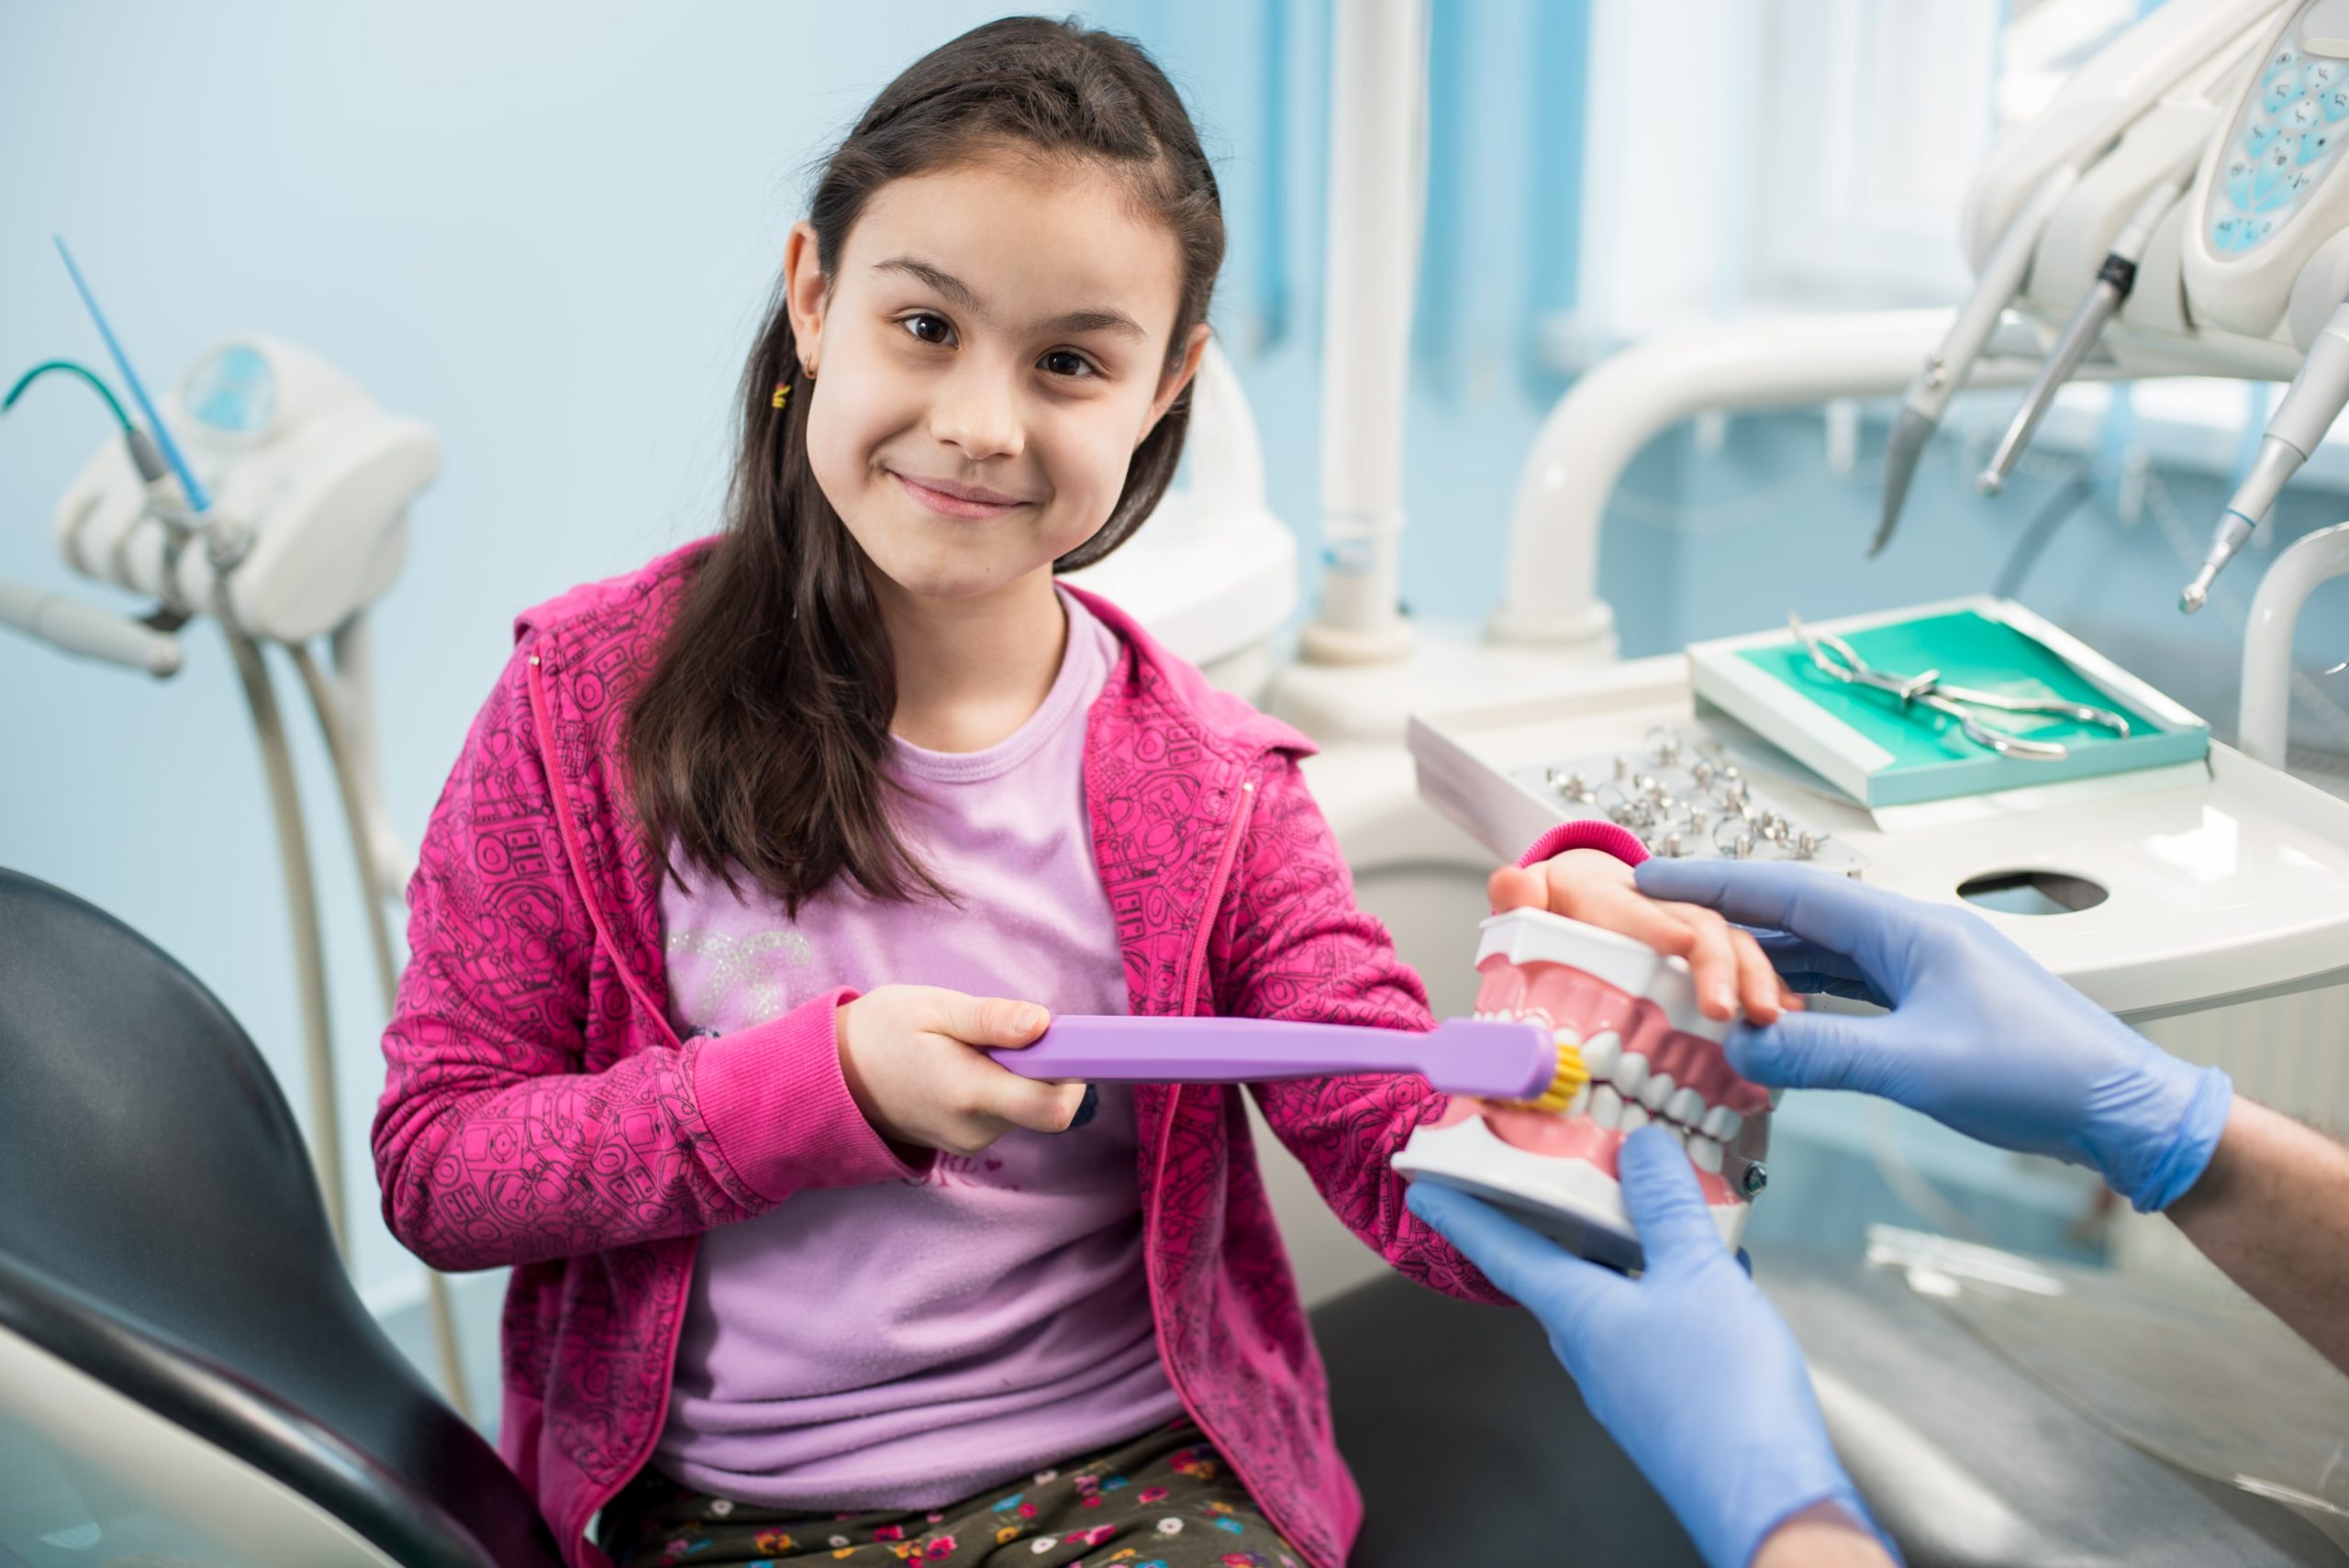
(991, 1022)
(1757, 982)
(1040, 1107)
(1515, 887)
(994, 1100)
(1622, 909)
(1711, 958)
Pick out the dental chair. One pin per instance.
(185, 1373)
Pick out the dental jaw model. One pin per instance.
(1650, 1055)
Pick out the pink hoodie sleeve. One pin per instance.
(495, 1141)
(1292, 943)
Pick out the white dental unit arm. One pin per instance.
(2267, 255)
(308, 480)
(2171, 211)
(282, 515)
(2054, 200)
(288, 519)
(2248, 271)
(2113, 197)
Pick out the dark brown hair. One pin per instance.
(759, 741)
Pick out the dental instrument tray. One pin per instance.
(1683, 795)
(1937, 701)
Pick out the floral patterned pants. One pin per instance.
(1164, 1500)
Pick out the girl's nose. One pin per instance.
(977, 411)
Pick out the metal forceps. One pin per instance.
(1833, 656)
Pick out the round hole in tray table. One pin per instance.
(2032, 892)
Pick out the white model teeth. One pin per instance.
(1600, 1053)
(1623, 1093)
(1629, 1073)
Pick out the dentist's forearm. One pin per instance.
(1822, 1537)
(2272, 1211)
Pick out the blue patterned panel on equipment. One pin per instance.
(2282, 146)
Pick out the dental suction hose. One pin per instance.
(2105, 297)
(2309, 407)
(146, 458)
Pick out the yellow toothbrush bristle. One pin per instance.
(1570, 1076)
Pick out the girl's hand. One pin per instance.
(1592, 886)
(912, 1058)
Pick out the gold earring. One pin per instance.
(782, 392)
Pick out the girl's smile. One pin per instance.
(949, 499)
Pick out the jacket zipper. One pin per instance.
(559, 791)
(1216, 886)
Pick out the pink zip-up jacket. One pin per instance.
(541, 1113)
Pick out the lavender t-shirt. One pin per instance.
(908, 1343)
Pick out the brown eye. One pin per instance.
(1067, 362)
(929, 329)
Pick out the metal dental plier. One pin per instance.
(1835, 657)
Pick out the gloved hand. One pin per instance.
(1688, 1367)
(1979, 1037)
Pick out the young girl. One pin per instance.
(750, 851)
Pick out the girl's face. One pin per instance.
(990, 349)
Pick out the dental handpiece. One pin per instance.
(1946, 368)
(2105, 297)
(71, 627)
(2310, 404)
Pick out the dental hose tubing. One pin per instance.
(326, 706)
(302, 911)
(327, 703)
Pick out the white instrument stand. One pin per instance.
(2225, 882)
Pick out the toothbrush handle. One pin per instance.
(1498, 1058)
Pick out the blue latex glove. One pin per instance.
(1688, 1367)
(1979, 1037)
